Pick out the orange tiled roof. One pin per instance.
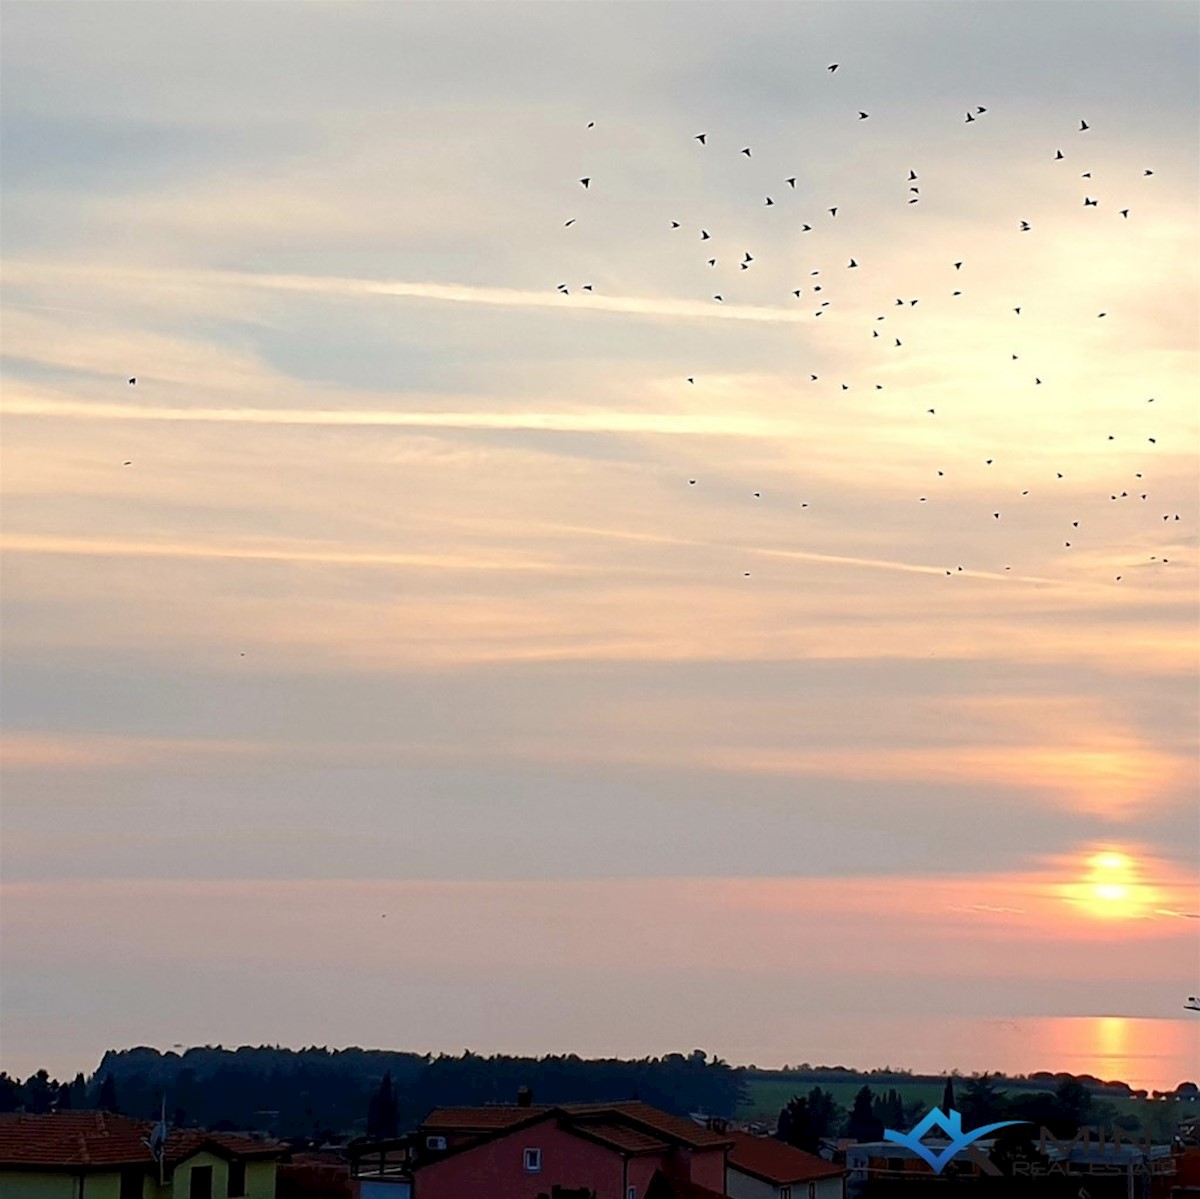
(93, 1140)
(774, 1161)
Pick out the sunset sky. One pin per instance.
(414, 657)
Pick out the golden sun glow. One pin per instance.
(1112, 888)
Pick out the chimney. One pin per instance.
(524, 1097)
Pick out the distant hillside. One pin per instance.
(319, 1093)
(317, 1090)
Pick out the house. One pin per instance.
(766, 1168)
(525, 1151)
(98, 1155)
(874, 1161)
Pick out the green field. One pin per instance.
(767, 1096)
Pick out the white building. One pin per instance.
(765, 1168)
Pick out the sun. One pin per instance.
(1112, 888)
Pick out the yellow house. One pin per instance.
(98, 1155)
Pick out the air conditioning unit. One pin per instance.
(435, 1142)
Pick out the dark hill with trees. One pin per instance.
(316, 1092)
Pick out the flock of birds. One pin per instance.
(1128, 489)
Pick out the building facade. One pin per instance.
(99, 1155)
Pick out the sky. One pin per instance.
(468, 631)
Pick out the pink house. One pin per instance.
(574, 1151)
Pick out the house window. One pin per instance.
(131, 1183)
(785, 1193)
(237, 1180)
(631, 1193)
(200, 1183)
(533, 1161)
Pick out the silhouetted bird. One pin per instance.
(586, 182)
(833, 66)
(862, 116)
(746, 151)
(1057, 155)
(701, 138)
(1083, 125)
(132, 381)
(791, 182)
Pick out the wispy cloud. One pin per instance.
(698, 424)
(451, 293)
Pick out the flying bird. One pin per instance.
(833, 212)
(1083, 125)
(746, 151)
(132, 382)
(1058, 154)
(702, 138)
(569, 223)
(852, 263)
(833, 66)
(862, 116)
(586, 181)
(791, 182)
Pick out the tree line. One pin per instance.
(320, 1094)
(808, 1119)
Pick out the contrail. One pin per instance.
(721, 425)
(18, 543)
(454, 293)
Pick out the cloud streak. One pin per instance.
(450, 293)
(670, 424)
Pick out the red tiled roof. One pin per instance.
(619, 1136)
(679, 1128)
(85, 1139)
(500, 1117)
(774, 1161)
(479, 1119)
